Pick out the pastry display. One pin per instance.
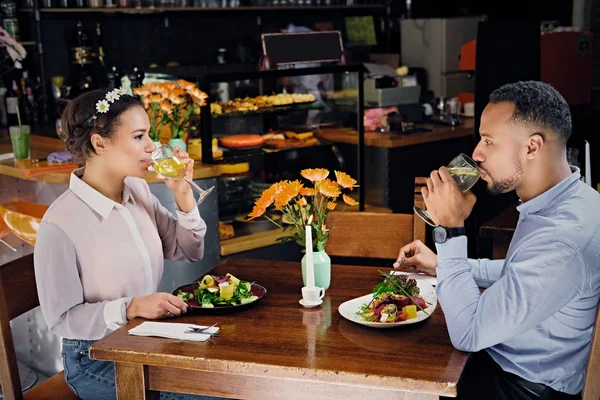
(194, 149)
(242, 141)
(225, 231)
(289, 140)
(234, 168)
(249, 104)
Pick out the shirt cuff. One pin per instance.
(190, 220)
(115, 313)
(452, 249)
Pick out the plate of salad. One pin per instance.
(215, 294)
(396, 301)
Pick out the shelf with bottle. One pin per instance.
(200, 8)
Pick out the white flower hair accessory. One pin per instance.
(102, 106)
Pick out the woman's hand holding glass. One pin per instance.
(175, 184)
(174, 165)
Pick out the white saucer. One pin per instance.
(310, 305)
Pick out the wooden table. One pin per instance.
(279, 350)
(500, 230)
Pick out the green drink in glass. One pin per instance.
(19, 137)
(464, 172)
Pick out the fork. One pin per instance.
(193, 329)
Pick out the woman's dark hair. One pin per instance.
(79, 126)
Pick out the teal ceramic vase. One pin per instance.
(179, 143)
(322, 269)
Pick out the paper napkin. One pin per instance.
(171, 330)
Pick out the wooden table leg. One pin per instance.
(132, 382)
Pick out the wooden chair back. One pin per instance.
(374, 235)
(591, 385)
(18, 294)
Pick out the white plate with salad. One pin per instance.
(215, 294)
(397, 301)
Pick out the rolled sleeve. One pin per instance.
(190, 220)
(115, 312)
(182, 239)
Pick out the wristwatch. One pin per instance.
(441, 234)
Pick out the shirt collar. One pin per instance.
(127, 194)
(537, 203)
(94, 199)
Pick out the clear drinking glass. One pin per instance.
(165, 163)
(464, 172)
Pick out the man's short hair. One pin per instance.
(537, 103)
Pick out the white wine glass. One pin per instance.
(464, 172)
(165, 163)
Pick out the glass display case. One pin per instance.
(262, 127)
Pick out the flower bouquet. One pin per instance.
(15, 51)
(300, 204)
(170, 103)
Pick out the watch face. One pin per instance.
(440, 235)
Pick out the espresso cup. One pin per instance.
(312, 295)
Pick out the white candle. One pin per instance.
(588, 164)
(310, 265)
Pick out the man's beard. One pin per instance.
(508, 184)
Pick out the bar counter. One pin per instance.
(42, 146)
(436, 133)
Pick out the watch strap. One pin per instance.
(454, 232)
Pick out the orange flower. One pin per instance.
(331, 205)
(161, 89)
(198, 96)
(141, 91)
(302, 202)
(176, 92)
(269, 195)
(307, 191)
(349, 200)
(329, 188)
(185, 84)
(176, 100)
(263, 203)
(257, 211)
(155, 98)
(169, 86)
(344, 180)
(153, 87)
(287, 193)
(266, 199)
(315, 175)
(167, 107)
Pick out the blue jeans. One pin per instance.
(94, 379)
